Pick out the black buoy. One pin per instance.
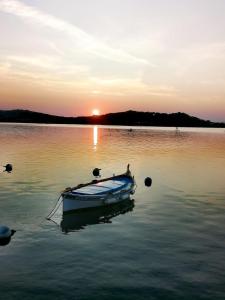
(148, 181)
(8, 168)
(96, 172)
(5, 235)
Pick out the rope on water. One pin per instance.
(55, 208)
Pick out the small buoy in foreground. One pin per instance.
(5, 235)
(8, 168)
(148, 181)
(96, 172)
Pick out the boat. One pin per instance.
(99, 193)
(80, 219)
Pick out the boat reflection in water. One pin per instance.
(77, 220)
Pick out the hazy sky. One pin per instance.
(69, 57)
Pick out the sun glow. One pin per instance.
(95, 112)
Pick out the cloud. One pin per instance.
(38, 72)
(84, 40)
(128, 86)
(44, 62)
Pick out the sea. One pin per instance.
(166, 242)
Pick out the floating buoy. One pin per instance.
(4, 232)
(8, 168)
(96, 172)
(148, 181)
(5, 235)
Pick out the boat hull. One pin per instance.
(76, 202)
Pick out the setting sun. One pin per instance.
(95, 112)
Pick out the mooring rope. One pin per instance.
(55, 208)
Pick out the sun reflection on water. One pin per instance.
(95, 136)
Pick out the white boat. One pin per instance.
(99, 193)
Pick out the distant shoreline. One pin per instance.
(127, 118)
(135, 127)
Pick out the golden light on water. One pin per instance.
(95, 136)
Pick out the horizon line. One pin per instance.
(97, 116)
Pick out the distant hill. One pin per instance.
(129, 118)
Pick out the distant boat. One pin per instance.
(80, 219)
(177, 130)
(99, 193)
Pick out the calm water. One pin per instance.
(167, 244)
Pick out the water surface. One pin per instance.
(168, 245)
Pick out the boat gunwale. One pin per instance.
(68, 191)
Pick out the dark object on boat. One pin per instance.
(96, 172)
(8, 168)
(148, 181)
(5, 235)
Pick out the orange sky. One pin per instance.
(70, 59)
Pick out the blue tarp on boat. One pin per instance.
(103, 187)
